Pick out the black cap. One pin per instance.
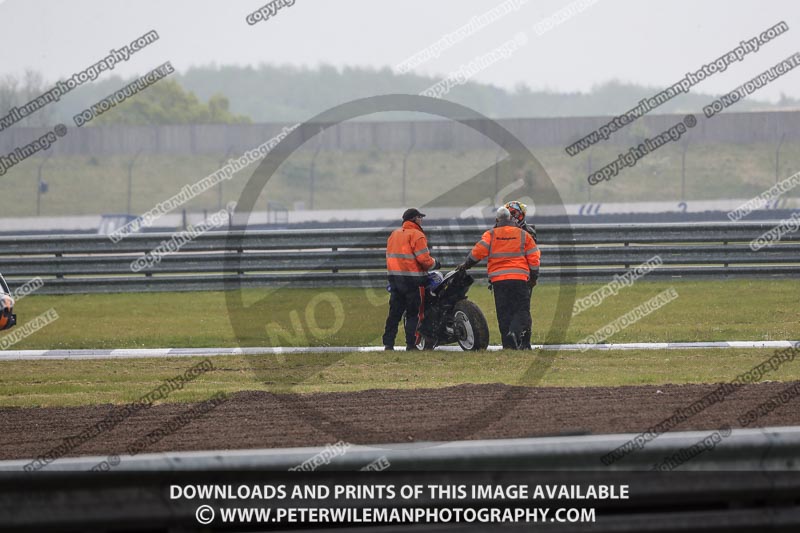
(411, 214)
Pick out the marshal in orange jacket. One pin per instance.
(511, 250)
(407, 252)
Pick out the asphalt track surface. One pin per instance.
(133, 353)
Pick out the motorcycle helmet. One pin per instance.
(517, 210)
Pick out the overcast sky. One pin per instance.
(641, 41)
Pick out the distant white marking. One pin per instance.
(139, 353)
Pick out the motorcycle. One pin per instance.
(7, 317)
(449, 316)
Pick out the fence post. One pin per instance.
(39, 183)
(589, 171)
(497, 172)
(130, 179)
(312, 170)
(219, 185)
(685, 146)
(413, 135)
(778, 157)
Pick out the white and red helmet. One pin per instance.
(517, 210)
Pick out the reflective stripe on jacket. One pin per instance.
(511, 251)
(407, 252)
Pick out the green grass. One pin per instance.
(704, 311)
(86, 382)
(350, 180)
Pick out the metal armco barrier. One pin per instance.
(355, 257)
(747, 482)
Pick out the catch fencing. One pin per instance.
(196, 139)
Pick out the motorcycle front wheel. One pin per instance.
(471, 328)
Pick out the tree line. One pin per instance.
(274, 93)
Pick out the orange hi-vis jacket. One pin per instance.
(512, 253)
(407, 252)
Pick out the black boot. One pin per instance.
(512, 343)
(525, 340)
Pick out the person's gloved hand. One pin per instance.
(533, 280)
(466, 265)
(436, 264)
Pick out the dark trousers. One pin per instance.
(408, 299)
(526, 335)
(513, 305)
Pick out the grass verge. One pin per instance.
(89, 382)
(704, 311)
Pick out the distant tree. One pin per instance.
(285, 93)
(166, 102)
(8, 93)
(15, 93)
(788, 102)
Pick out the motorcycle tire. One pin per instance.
(426, 343)
(471, 328)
